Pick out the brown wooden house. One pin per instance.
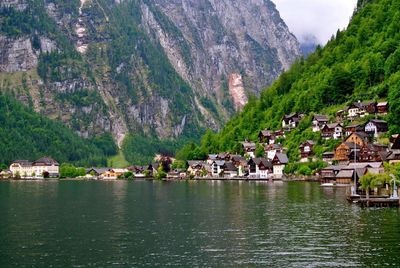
(306, 149)
(360, 138)
(382, 107)
(266, 136)
(344, 151)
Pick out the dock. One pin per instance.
(375, 202)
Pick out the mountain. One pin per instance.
(359, 63)
(141, 68)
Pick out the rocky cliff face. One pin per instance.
(154, 67)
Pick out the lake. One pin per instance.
(186, 224)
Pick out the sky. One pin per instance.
(321, 18)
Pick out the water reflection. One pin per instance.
(209, 223)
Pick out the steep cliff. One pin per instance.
(156, 68)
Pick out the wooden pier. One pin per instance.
(374, 201)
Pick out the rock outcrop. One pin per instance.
(154, 67)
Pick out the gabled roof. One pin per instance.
(212, 156)
(237, 158)
(248, 144)
(396, 143)
(23, 163)
(266, 133)
(377, 121)
(195, 163)
(361, 134)
(229, 166)
(282, 158)
(385, 103)
(321, 118)
(344, 173)
(47, 161)
(259, 160)
(97, 170)
(219, 162)
(307, 142)
(365, 165)
(328, 154)
(333, 125)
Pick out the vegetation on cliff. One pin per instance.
(360, 63)
(25, 134)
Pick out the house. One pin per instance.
(259, 168)
(360, 138)
(371, 153)
(223, 156)
(350, 129)
(241, 164)
(306, 150)
(96, 172)
(266, 136)
(332, 131)
(382, 108)
(345, 150)
(328, 157)
(271, 149)
(375, 127)
(44, 167)
(176, 174)
(393, 157)
(211, 158)
(217, 168)
(318, 122)
(280, 134)
(113, 174)
(196, 168)
(279, 163)
(5, 174)
(22, 169)
(359, 109)
(153, 168)
(249, 148)
(291, 121)
(346, 176)
(230, 170)
(328, 174)
(138, 171)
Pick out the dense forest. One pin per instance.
(359, 63)
(25, 134)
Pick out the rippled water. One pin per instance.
(207, 224)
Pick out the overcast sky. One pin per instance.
(321, 18)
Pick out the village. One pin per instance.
(358, 153)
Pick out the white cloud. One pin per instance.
(321, 18)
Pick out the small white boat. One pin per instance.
(328, 184)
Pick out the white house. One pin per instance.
(330, 131)
(318, 122)
(259, 168)
(217, 168)
(279, 163)
(22, 168)
(41, 168)
(249, 148)
(376, 127)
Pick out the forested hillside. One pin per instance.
(25, 134)
(153, 73)
(360, 63)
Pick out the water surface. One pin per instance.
(186, 224)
